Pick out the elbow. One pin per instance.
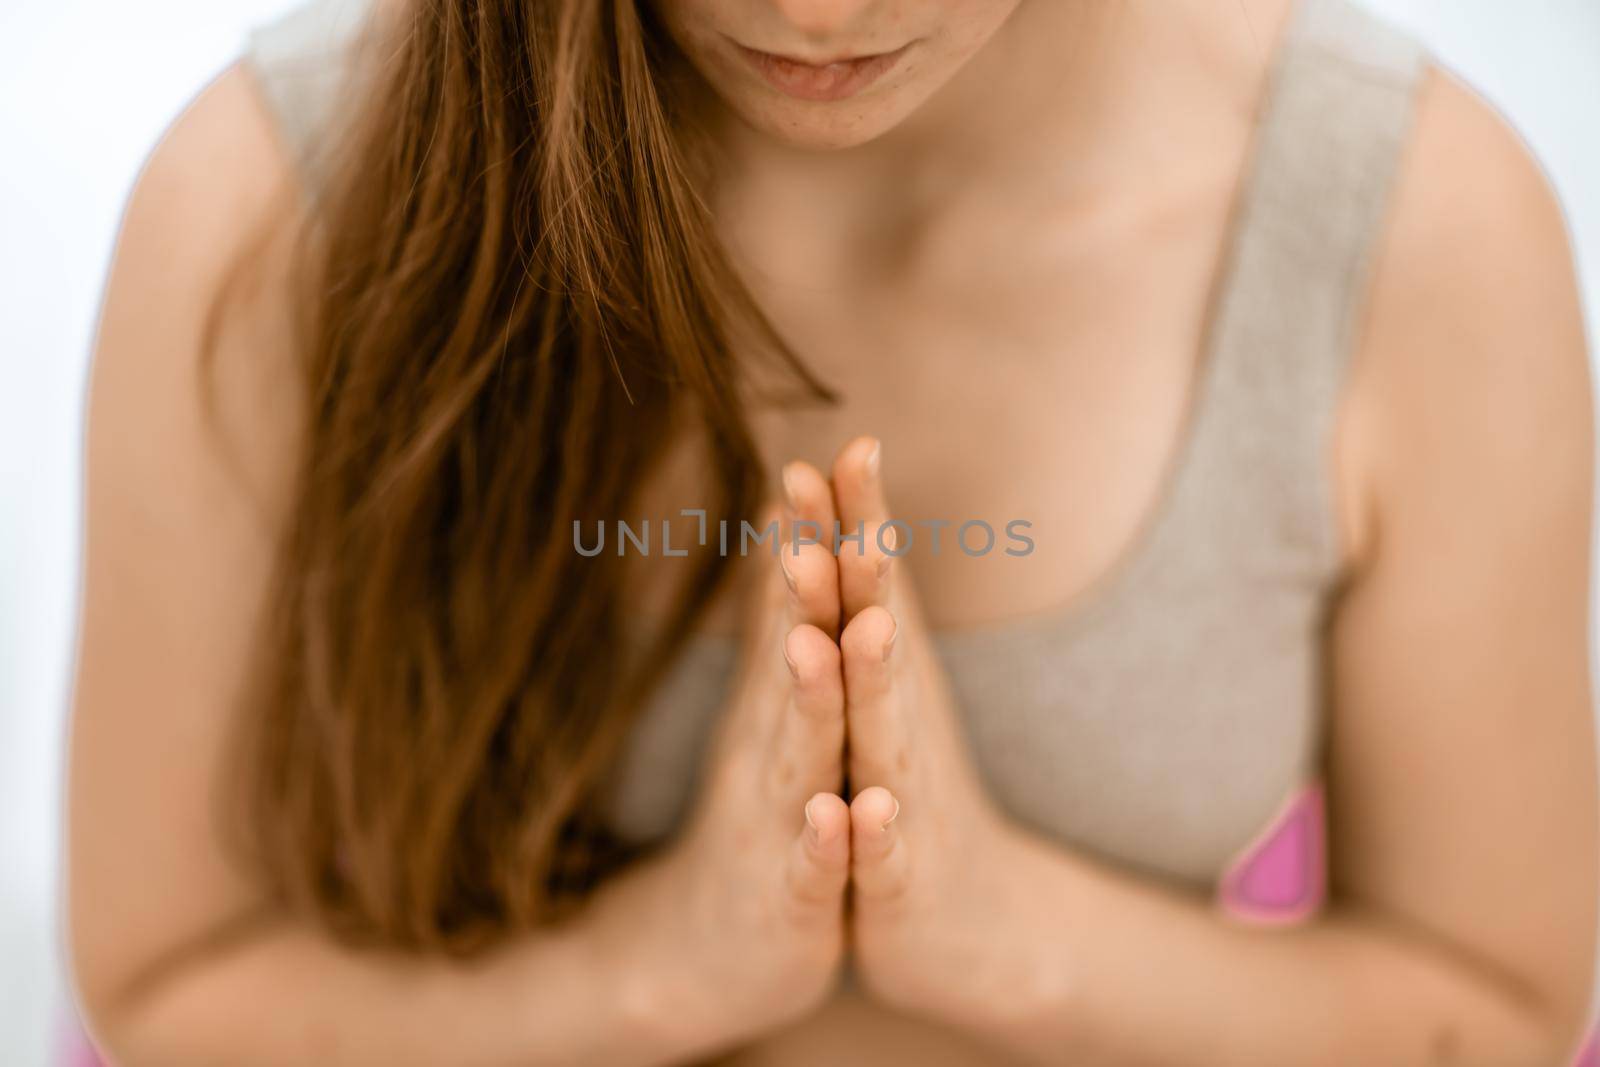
(110, 992)
(103, 1021)
(105, 1010)
(126, 1030)
(89, 970)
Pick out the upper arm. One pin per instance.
(180, 529)
(1462, 764)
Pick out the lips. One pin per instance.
(836, 80)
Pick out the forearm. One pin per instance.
(1157, 978)
(285, 994)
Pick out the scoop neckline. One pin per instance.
(1115, 582)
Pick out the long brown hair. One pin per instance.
(514, 305)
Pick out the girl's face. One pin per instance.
(829, 73)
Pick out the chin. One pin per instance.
(824, 128)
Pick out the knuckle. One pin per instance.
(817, 710)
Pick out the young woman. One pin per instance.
(1200, 393)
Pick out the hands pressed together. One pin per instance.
(840, 813)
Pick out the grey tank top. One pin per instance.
(1165, 718)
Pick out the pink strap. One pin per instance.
(1281, 876)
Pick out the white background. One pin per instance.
(86, 86)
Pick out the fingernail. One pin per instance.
(788, 491)
(875, 458)
(895, 814)
(889, 540)
(788, 578)
(888, 646)
(789, 662)
(809, 820)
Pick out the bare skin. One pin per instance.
(1462, 780)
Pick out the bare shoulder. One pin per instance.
(1472, 364)
(214, 207)
(224, 141)
(219, 165)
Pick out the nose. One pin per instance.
(821, 17)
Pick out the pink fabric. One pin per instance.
(1589, 1054)
(1281, 876)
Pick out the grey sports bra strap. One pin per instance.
(301, 62)
(1327, 151)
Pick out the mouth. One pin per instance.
(835, 79)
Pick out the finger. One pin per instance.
(874, 716)
(809, 497)
(866, 568)
(879, 861)
(857, 482)
(809, 502)
(796, 589)
(812, 577)
(819, 860)
(807, 753)
(863, 510)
